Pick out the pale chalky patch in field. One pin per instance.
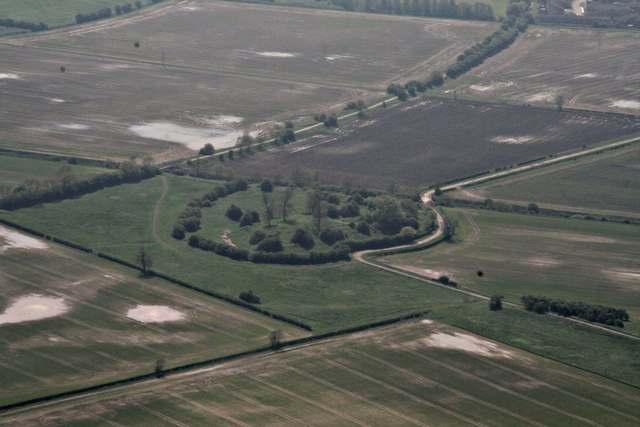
(13, 239)
(468, 343)
(626, 104)
(33, 307)
(154, 314)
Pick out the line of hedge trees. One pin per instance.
(531, 208)
(59, 189)
(434, 8)
(10, 23)
(107, 12)
(593, 313)
(340, 253)
(518, 18)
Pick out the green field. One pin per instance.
(576, 260)
(118, 220)
(14, 170)
(54, 12)
(329, 297)
(95, 340)
(412, 374)
(607, 183)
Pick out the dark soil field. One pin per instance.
(167, 80)
(591, 69)
(433, 140)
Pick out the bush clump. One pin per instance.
(257, 237)
(234, 213)
(250, 297)
(270, 244)
(331, 235)
(303, 238)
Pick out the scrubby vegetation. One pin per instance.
(308, 225)
(593, 313)
(66, 185)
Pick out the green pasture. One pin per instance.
(328, 297)
(55, 12)
(95, 341)
(395, 376)
(606, 183)
(576, 260)
(14, 170)
(119, 220)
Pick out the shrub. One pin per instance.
(234, 213)
(257, 237)
(495, 303)
(444, 280)
(250, 297)
(266, 186)
(178, 231)
(246, 220)
(270, 244)
(303, 238)
(331, 235)
(255, 216)
(363, 228)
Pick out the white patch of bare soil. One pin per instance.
(540, 262)
(635, 105)
(276, 54)
(587, 76)
(512, 140)
(542, 96)
(427, 321)
(221, 136)
(17, 240)
(57, 100)
(490, 87)
(33, 307)
(468, 343)
(155, 314)
(73, 126)
(9, 76)
(627, 275)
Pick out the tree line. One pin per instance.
(593, 313)
(107, 12)
(517, 20)
(66, 185)
(430, 8)
(10, 23)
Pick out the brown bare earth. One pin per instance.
(590, 69)
(433, 140)
(203, 72)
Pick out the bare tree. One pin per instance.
(286, 202)
(144, 259)
(269, 208)
(275, 338)
(316, 206)
(159, 368)
(560, 102)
